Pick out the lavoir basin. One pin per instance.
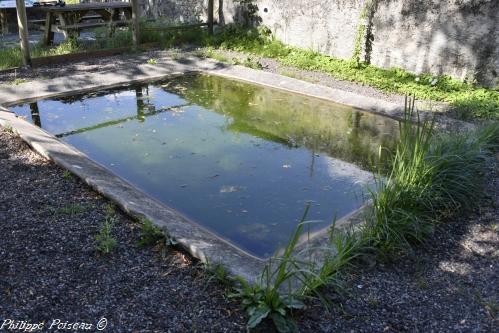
(241, 160)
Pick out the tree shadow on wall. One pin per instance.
(244, 12)
(465, 30)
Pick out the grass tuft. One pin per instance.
(432, 177)
(69, 209)
(150, 234)
(105, 242)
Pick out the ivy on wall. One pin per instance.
(365, 33)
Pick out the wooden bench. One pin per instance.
(72, 18)
(83, 26)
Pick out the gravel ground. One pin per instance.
(49, 267)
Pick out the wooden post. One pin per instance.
(135, 23)
(210, 16)
(22, 22)
(48, 35)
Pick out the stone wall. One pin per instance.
(186, 11)
(455, 37)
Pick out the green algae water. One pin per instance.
(239, 159)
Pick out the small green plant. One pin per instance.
(150, 234)
(372, 301)
(105, 242)
(70, 209)
(8, 128)
(261, 303)
(152, 61)
(110, 210)
(280, 289)
(251, 63)
(67, 175)
(17, 81)
(219, 273)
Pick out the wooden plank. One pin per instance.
(22, 22)
(84, 7)
(82, 26)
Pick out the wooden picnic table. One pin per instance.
(70, 17)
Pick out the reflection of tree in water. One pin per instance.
(291, 119)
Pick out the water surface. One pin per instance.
(239, 159)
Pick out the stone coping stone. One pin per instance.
(195, 239)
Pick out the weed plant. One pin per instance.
(104, 240)
(150, 234)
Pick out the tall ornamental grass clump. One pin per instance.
(431, 176)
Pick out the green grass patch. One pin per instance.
(67, 175)
(70, 209)
(150, 234)
(467, 99)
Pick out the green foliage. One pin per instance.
(105, 242)
(12, 57)
(150, 234)
(361, 34)
(219, 273)
(109, 210)
(467, 99)
(431, 178)
(280, 289)
(67, 175)
(70, 209)
(8, 128)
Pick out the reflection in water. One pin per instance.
(35, 114)
(239, 159)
